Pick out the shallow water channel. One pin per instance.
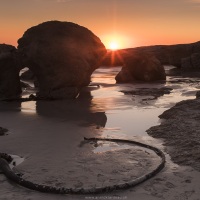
(130, 115)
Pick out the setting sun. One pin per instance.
(116, 41)
(113, 45)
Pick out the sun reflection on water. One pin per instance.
(28, 107)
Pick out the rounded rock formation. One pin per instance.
(62, 56)
(140, 66)
(9, 73)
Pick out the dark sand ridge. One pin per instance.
(181, 132)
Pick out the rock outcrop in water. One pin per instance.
(3, 131)
(9, 73)
(184, 56)
(62, 56)
(155, 93)
(139, 66)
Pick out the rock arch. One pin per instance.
(62, 56)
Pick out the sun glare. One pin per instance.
(116, 41)
(113, 45)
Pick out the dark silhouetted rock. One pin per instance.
(9, 73)
(154, 92)
(113, 58)
(139, 66)
(166, 54)
(3, 131)
(172, 54)
(62, 56)
(191, 63)
(198, 95)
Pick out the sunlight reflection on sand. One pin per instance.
(28, 107)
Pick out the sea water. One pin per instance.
(131, 115)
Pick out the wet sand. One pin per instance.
(181, 132)
(49, 136)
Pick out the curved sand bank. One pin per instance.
(181, 132)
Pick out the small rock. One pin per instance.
(198, 95)
(3, 131)
(155, 92)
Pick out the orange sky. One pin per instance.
(128, 22)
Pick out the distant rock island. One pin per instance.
(167, 54)
(149, 60)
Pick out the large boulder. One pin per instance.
(9, 73)
(62, 56)
(139, 66)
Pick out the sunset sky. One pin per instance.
(128, 23)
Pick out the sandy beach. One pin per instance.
(49, 136)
